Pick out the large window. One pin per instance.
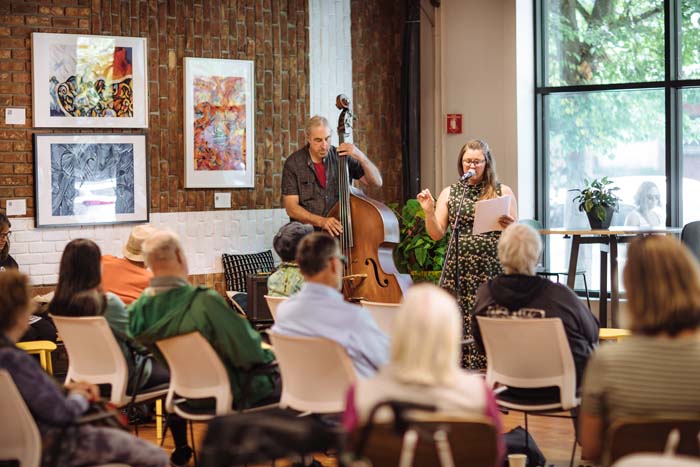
(618, 95)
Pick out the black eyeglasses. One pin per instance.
(342, 258)
(7, 234)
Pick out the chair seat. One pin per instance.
(197, 410)
(547, 402)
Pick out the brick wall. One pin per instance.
(377, 28)
(273, 33)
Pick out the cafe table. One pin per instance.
(609, 239)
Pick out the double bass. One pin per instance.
(370, 232)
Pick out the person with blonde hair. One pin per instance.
(520, 290)
(473, 259)
(56, 410)
(655, 373)
(425, 364)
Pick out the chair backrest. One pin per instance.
(19, 437)
(656, 460)
(94, 356)
(534, 223)
(272, 303)
(196, 372)
(472, 441)
(383, 314)
(316, 373)
(629, 436)
(690, 236)
(529, 353)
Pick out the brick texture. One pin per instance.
(376, 73)
(273, 33)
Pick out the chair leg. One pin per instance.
(585, 286)
(527, 437)
(194, 447)
(573, 453)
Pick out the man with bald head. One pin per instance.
(171, 306)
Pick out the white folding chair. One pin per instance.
(384, 314)
(530, 353)
(316, 373)
(272, 303)
(94, 356)
(19, 436)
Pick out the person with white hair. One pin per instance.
(519, 288)
(425, 364)
(171, 306)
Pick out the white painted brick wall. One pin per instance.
(330, 57)
(205, 236)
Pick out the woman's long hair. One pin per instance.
(5, 222)
(425, 346)
(490, 177)
(662, 279)
(79, 278)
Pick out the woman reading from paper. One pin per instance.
(474, 257)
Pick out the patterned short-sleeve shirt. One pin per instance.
(299, 178)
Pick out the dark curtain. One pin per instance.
(410, 101)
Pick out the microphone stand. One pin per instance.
(453, 236)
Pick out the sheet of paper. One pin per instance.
(487, 212)
(34, 318)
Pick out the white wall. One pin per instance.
(471, 65)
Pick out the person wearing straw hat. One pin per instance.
(127, 277)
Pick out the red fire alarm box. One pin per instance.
(454, 123)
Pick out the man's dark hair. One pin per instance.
(314, 251)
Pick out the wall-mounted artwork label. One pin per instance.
(219, 123)
(90, 179)
(89, 81)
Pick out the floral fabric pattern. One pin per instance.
(476, 262)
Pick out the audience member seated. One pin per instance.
(55, 410)
(287, 279)
(6, 260)
(425, 364)
(170, 306)
(78, 293)
(127, 277)
(319, 310)
(656, 371)
(520, 290)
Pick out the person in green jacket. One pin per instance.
(170, 306)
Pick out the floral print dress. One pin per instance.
(477, 262)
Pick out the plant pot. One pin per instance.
(597, 224)
(426, 276)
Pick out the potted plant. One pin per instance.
(598, 200)
(417, 253)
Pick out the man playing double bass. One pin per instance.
(310, 176)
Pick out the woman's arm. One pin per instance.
(436, 214)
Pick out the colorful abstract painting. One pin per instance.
(89, 81)
(220, 123)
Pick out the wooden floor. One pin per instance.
(554, 436)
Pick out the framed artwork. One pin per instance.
(89, 81)
(219, 123)
(90, 179)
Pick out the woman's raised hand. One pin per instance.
(426, 200)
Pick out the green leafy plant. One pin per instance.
(596, 197)
(417, 252)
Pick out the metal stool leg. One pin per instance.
(585, 286)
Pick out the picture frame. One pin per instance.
(84, 81)
(219, 123)
(90, 179)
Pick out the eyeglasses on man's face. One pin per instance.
(474, 162)
(6, 235)
(343, 259)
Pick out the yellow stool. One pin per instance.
(612, 334)
(43, 349)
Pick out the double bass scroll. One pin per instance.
(370, 233)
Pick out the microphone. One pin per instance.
(467, 175)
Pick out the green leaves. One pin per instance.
(417, 251)
(596, 196)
